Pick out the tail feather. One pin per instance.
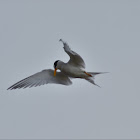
(95, 73)
(91, 79)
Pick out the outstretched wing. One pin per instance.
(75, 59)
(41, 78)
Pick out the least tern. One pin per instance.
(74, 68)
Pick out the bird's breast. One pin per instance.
(72, 71)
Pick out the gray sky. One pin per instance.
(105, 33)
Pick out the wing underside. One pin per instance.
(41, 78)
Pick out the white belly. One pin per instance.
(73, 72)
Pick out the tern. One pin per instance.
(74, 68)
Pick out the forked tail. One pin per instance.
(91, 79)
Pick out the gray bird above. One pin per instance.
(74, 68)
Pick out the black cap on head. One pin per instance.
(55, 63)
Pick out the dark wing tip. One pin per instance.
(61, 40)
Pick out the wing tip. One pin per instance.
(64, 42)
(10, 88)
(61, 40)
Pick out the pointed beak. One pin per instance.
(55, 71)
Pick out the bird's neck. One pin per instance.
(60, 65)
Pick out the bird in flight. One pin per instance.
(74, 68)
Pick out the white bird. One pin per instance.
(74, 68)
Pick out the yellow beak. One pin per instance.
(55, 71)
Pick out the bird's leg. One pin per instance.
(87, 74)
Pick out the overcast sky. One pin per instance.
(105, 33)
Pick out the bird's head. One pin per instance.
(57, 65)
